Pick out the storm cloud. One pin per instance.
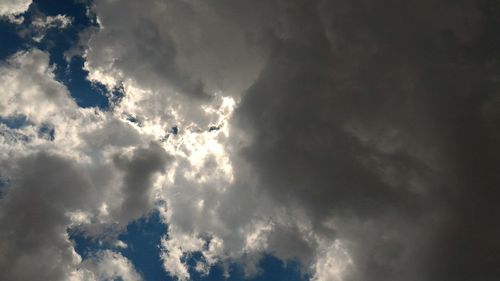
(370, 111)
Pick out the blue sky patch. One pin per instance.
(57, 42)
(14, 122)
(143, 246)
(11, 41)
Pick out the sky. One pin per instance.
(298, 140)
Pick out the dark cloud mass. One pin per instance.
(32, 215)
(139, 169)
(370, 109)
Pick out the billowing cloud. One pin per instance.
(14, 7)
(30, 88)
(139, 169)
(34, 242)
(357, 138)
(360, 123)
(106, 265)
(142, 60)
(66, 167)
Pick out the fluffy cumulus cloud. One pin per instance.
(357, 138)
(65, 167)
(106, 265)
(13, 7)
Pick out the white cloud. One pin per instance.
(106, 265)
(93, 160)
(13, 7)
(30, 88)
(41, 24)
(211, 194)
(58, 21)
(16, 19)
(156, 65)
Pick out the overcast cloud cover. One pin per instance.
(359, 139)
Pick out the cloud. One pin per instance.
(106, 265)
(354, 119)
(139, 169)
(34, 243)
(47, 195)
(40, 25)
(83, 176)
(141, 60)
(354, 137)
(59, 21)
(14, 7)
(357, 138)
(30, 87)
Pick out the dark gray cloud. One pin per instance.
(138, 170)
(137, 45)
(369, 110)
(288, 243)
(33, 215)
(47, 191)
